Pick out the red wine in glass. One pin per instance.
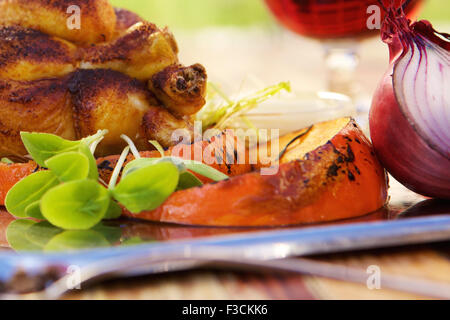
(328, 19)
(340, 24)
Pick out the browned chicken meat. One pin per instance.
(98, 19)
(118, 72)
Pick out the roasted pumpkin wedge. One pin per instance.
(329, 173)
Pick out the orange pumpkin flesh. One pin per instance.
(331, 173)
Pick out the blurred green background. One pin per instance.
(193, 14)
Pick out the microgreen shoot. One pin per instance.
(157, 147)
(220, 109)
(132, 146)
(118, 168)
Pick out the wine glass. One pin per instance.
(340, 25)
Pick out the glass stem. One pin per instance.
(341, 60)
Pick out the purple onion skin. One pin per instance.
(405, 155)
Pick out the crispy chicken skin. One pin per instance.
(118, 73)
(98, 20)
(109, 99)
(181, 89)
(140, 53)
(124, 20)
(27, 54)
(39, 106)
(159, 124)
(112, 100)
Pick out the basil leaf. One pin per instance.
(114, 211)
(93, 169)
(29, 190)
(147, 188)
(69, 166)
(76, 240)
(15, 234)
(178, 162)
(205, 170)
(76, 205)
(188, 180)
(34, 210)
(43, 146)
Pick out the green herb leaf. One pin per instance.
(178, 162)
(28, 191)
(188, 180)
(114, 211)
(76, 205)
(205, 170)
(138, 164)
(74, 240)
(69, 166)
(147, 188)
(43, 146)
(34, 210)
(93, 169)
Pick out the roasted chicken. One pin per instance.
(118, 72)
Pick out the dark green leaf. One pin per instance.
(114, 211)
(188, 180)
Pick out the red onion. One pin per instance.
(410, 114)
